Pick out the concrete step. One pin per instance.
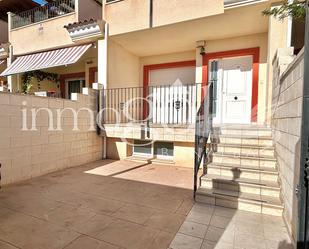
(242, 140)
(239, 172)
(139, 159)
(250, 186)
(242, 201)
(243, 131)
(249, 150)
(162, 161)
(244, 160)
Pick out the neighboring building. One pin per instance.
(6, 6)
(43, 30)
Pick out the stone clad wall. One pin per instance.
(28, 154)
(286, 124)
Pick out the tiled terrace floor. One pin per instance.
(120, 204)
(104, 205)
(208, 227)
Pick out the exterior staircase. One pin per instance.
(242, 172)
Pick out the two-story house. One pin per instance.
(158, 62)
(57, 63)
(164, 58)
(6, 6)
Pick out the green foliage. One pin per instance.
(296, 9)
(40, 76)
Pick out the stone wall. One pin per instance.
(31, 153)
(286, 124)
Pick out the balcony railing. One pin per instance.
(51, 10)
(238, 2)
(154, 104)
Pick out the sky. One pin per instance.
(39, 1)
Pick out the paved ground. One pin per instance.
(104, 205)
(208, 227)
(113, 205)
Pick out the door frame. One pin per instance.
(80, 79)
(64, 77)
(146, 76)
(255, 53)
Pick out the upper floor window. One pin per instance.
(47, 11)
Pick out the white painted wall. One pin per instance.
(170, 76)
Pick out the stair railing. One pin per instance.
(203, 127)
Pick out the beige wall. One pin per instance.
(127, 16)
(41, 36)
(184, 154)
(286, 125)
(3, 32)
(123, 67)
(132, 15)
(118, 149)
(277, 38)
(173, 11)
(89, 9)
(27, 154)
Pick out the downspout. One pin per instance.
(150, 13)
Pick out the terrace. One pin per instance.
(42, 13)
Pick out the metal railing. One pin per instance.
(203, 128)
(168, 104)
(51, 10)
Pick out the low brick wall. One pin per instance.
(286, 124)
(31, 153)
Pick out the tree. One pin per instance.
(296, 9)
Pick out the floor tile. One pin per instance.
(168, 222)
(4, 245)
(193, 229)
(70, 216)
(84, 242)
(279, 244)
(182, 241)
(128, 235)
(134, 213)
(249, 242)
(199, 217)
(161, 240)
(94, 226)
(219, 221)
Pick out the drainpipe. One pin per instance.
(150, 13)
(102, 73)
(10, 58)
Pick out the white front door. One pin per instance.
(236, 89)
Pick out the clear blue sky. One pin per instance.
(39, 1)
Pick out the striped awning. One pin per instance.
(54, 58)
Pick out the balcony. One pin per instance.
(167, 104)
(42, 13)
(42, 28)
